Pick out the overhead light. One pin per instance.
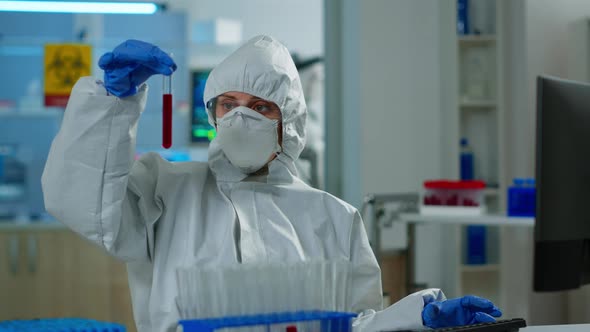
(79, 7)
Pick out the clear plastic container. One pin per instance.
(454, 193)
(440, 195)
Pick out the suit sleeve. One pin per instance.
(92, 183)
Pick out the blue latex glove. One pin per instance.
(132, 63)
(465, 310)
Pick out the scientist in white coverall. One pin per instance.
(246, 205)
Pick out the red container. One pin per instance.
(454, 193)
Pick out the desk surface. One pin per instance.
(558, 328)
(490, 220)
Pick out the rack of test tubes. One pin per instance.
(307, 296)
(59, 325)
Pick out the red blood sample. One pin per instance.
(166, 120)
(453, 201)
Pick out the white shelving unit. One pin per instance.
(484, 220)
(473, 107)
(490, 104)
(491, 192)
(480, 108)
(480, 268)
(458, 278)
(476, 39)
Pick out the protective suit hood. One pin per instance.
(263, 68)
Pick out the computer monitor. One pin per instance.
(562, 228)
(201, 130)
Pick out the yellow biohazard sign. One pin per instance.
(64, 64)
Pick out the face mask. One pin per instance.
(247, 138)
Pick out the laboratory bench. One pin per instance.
(48, 271)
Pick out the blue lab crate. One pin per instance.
(331, 321)
(522, 201)
(59, 325)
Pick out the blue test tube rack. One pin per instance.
(331, 321)
(59, 325)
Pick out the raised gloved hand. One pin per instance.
(132, 63)
(465, 310)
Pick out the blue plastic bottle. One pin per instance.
(466, 161)
(476, 245)
(476, 235)
(462, 17)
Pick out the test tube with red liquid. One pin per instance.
(167, 112)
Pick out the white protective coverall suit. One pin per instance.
(158, 216)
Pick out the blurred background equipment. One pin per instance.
(310, 164)
(201, 130)
(25, 139)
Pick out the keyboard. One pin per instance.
(506, 325)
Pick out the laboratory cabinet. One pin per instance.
(49, 271)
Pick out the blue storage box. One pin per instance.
(522, 198)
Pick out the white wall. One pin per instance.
(579, 50)
(383, 94)
(297, 23)
(399, 95)
(390, 89)
(544, 50)
(399, 108)
(383, 105)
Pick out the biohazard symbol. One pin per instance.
(66, 66)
